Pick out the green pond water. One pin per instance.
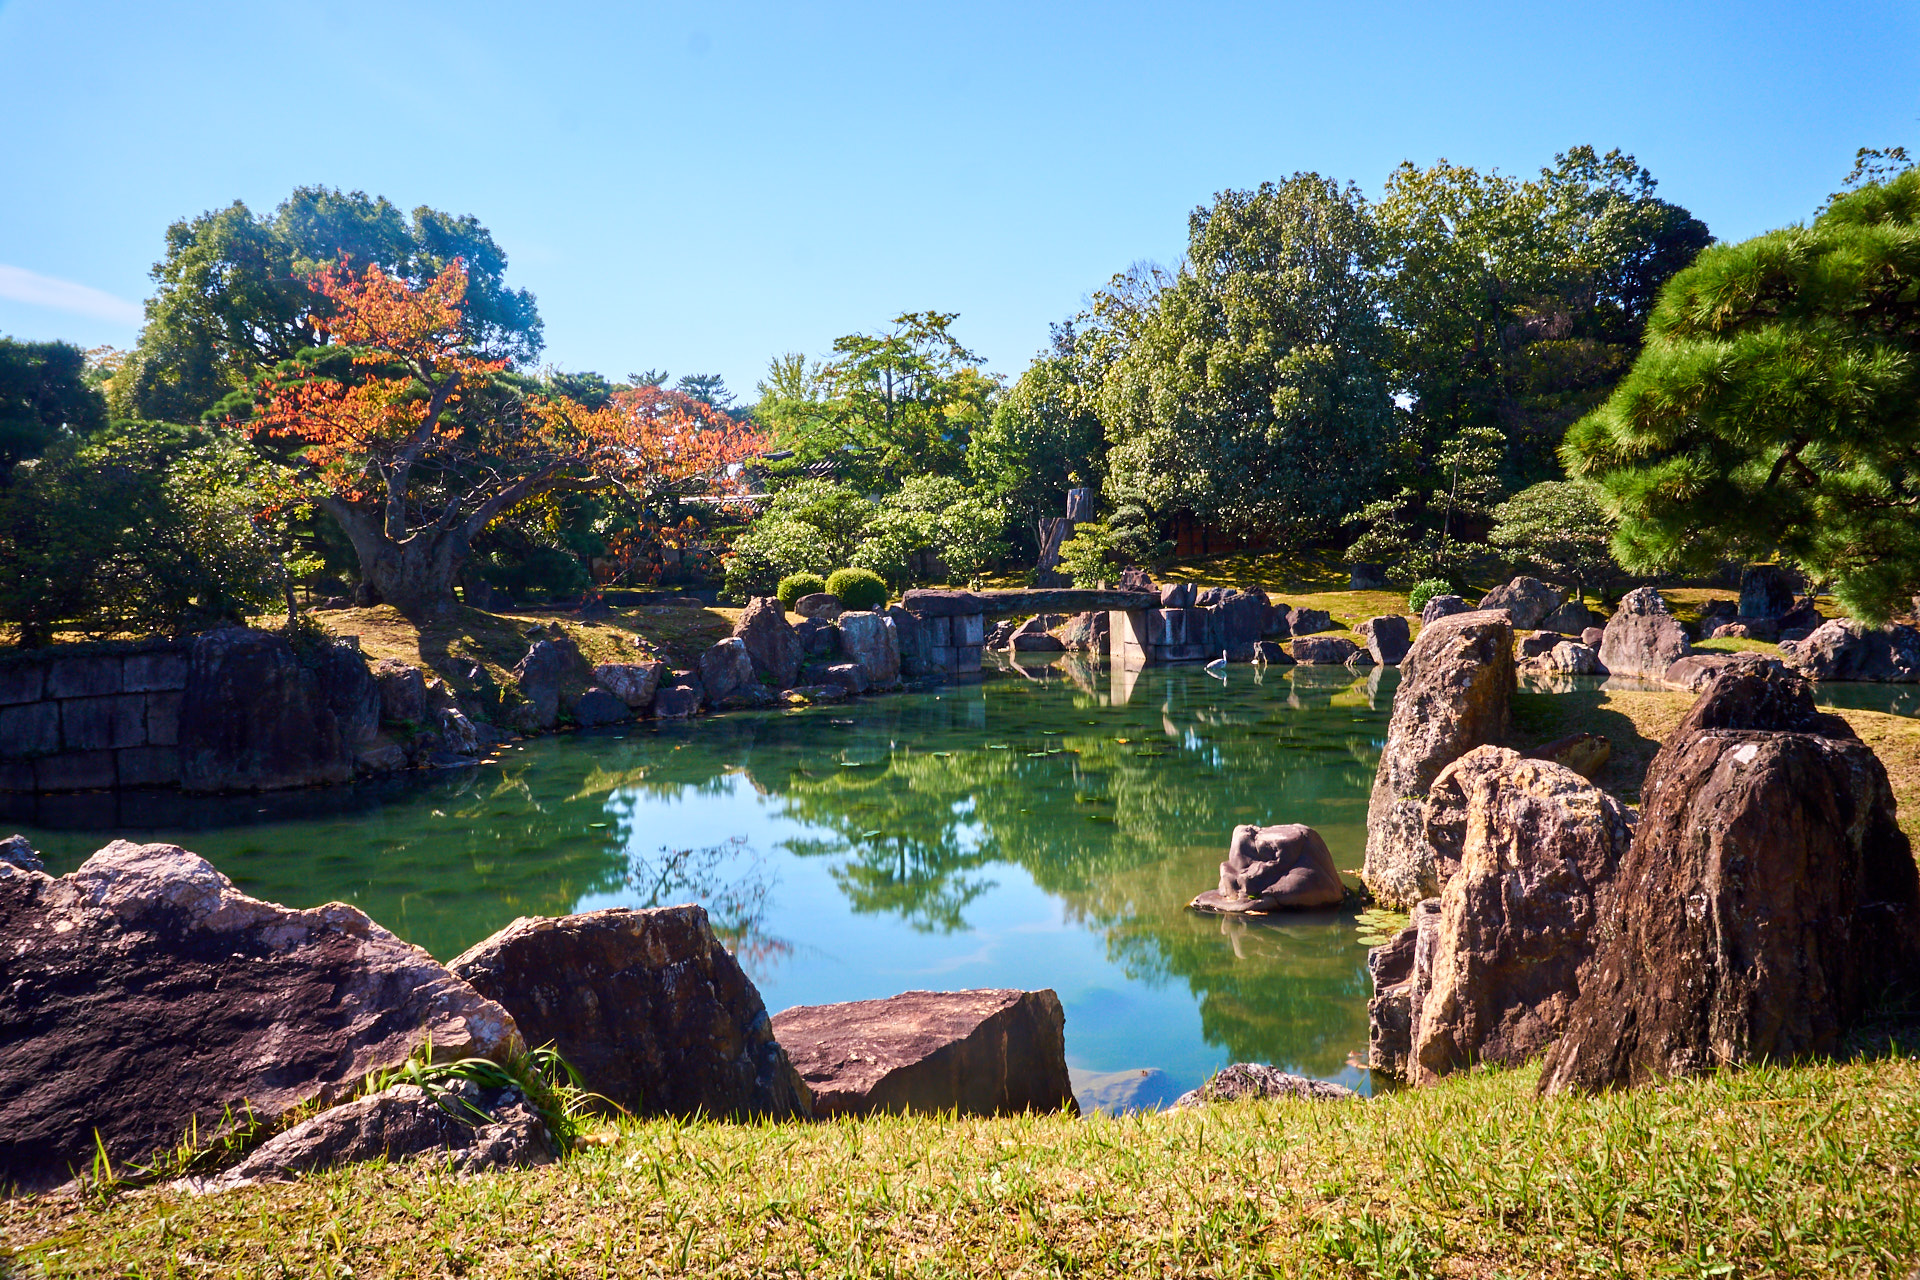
(1031, 830)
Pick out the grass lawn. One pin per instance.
(1813, 1171)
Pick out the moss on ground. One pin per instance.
(1813, 1171)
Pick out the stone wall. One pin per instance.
(84, 722)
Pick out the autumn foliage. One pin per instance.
(419, 447)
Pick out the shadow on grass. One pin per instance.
(1542, 717)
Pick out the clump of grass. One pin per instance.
(551, 1085)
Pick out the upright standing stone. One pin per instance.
(1527, 601)
(1387, 638)
(1455, 694)
(869, 639)
(772, 647)
(1642, 639)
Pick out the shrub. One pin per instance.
(1426, 590)
(858, 588)
(795, 585)
(1087, 557)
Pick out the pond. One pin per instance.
(1044, 827)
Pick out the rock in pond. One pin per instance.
(868, 639)
(1122, 1092)
(981, 1053)
(1325, 651)
(1387, 638)
(679, 700)
(538, 676)
(1540, 843)
(772, 647)
(469, 1130)
(145, 993)
(1272, 653)
(403, 691)
(634, 683)
(1527, 601)
(1642, 639)
(647, 1006)
(597, 708)
(1847, 650)
(1245, 1080)
(726, 669)
(1278, 868)
(1767, 896)
(1455, 694)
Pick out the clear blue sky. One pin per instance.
(699, 187)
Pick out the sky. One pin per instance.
(702, 187)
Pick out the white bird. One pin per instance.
(1218, 666)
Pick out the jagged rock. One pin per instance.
(1766, 590)
(634, 683)
(818, 637)
(1323, 651)
(403, 691)
(1802, 617)
(869, 640)
(401, 1122)
(256, 716)
(1456, 690)
(1438, 607)
(1245, 1080)
(17, 851)
(1520, 918)
(1271, 653)
(1527, 601)
(1306, 622)
(538, 676)
(1387, 638)
(1847, 650)
(679, 700)
(1245, 618)
(597, 708)
(820, 604)
(914, 637)
(1696, 671)
(725, 669)
(1568, 658)
(1584, 753)
(1767, 894)
(647, 1006)
(850, 677)
(981, 1053)
(1592, 637)
(1278, 868)
(1401, 971)
(144, 992)
(1179, 595)
(1642, 639)
(1087, 632)
(774, 650)
(1443, 819)
(1571, 618)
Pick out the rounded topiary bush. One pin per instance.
(1426, 590)
(858, 588)
(795, 585)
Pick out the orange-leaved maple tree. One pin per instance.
(415, 444)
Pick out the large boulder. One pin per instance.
(1387, 638)
(869, 640)
(1324, 651)
(1455, 694)
(1571, 618)
(1401, 971)
(634, 683)
(1767, 895)
(1847, 650)
(1438, 607)
(726, 669)
(538, 676)
(1306, 622)
(145, 994)
(647, 1006)
(257, 716)
(1279, 868)
(773, 648)
(403, 691)
(818, 604)
(914, 636)
(1244, 1080)
(597, 708)
(978, 1052)
(1642, 639)
(1539, 845)
(1767, 590)
(1527, 601)
(467, 1128)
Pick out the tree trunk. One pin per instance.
(416, 575)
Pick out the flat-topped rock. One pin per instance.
(989, 1052)
(647, 1006)
(144, 993)
(1245, 1080)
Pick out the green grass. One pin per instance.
(1813, 1171)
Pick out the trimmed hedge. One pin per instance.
(858, 588)
(795, 585)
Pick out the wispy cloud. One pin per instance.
(22, 285)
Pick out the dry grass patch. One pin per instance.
(1813, 1171)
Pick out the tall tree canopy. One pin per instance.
(45, 395)
(1516, 305)
(1776, 407)
(1044, 437)
(401, 430)
(886, 407)
(235, 294)
(1251, 391)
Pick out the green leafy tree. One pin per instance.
(1430, 534)
(1088, 557)
(45, 395)
(234, 296)
(1045, 436)
(1561, 528)
(1776, 407)
(812, 526)
(1249, 389)
(886, 407)
(1517, 305)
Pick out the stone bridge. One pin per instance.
(1175, 624)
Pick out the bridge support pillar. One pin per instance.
(1127, 644)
